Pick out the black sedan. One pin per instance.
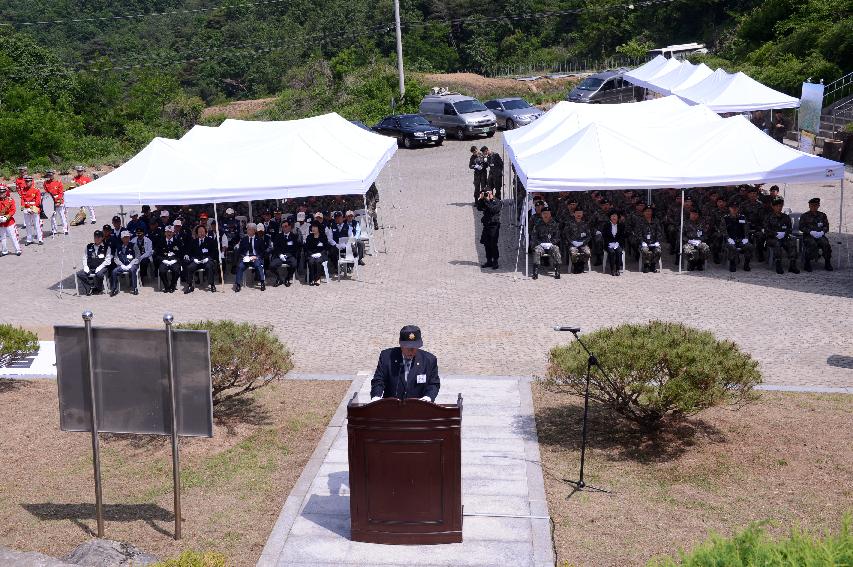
(410, 130)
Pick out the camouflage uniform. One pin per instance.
(576, 237)
(545, 233)
(649, 234)
(781, 241)
(694, 247)
(819, 223)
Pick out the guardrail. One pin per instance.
(838, 89)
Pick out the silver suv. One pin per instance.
(460, 115)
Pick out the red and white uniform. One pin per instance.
(31, 206)
(20, 183)
(57, 190)
(7, 223)
(80, 180)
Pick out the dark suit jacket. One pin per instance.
(621, 234)
(388, 378)
(262, 246)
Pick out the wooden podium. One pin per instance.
(405, 471)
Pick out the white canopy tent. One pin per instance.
(244, 161)
(683, 77)
(728, 151)
(645, 75)
(724, 92)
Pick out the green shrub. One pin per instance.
(194, 559)
(753, 547)
(243, 357)
(15, 342)
(657, 370)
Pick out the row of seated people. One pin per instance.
(738, 222)
(174, 253)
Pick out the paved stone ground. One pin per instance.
(505, 512)
(476, 321)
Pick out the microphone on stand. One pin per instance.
(573, 330)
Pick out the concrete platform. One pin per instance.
(506, 518)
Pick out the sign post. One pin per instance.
(173, 400)
(93, 414)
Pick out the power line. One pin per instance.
(137, 16)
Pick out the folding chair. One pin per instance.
(604, 259)
(366, 234)
(640, 262)
(325, 271)
(346, 258)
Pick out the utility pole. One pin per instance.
(399, 48)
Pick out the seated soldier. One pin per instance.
(778, 231)
(614, 234)
(814, 225)
(694, 247)
(546, 240)
(649, 234)
(126, 262)
(96, 261)
(168, 255)
(577, 235)
(144, 249)
(250, 252)
(285, 254)
(202, 255)
(736, 233)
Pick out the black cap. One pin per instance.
(814, 201)
(774, 188)
(107, 227)
(777, 201)
(734, 205)
(410, 337)
(605, 201)
(546, 208)
(99, 233)
(117, 218)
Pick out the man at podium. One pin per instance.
(406, 371)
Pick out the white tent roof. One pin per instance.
(567, 118)
(644, 75)
(683, 77)
(241, 161)
(722, 92)
(729, 151)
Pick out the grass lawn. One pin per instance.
(233, 484)
(787, 458)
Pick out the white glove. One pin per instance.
(283, 257)
(613, 245)
(656, 244)
(85, 269)
(3, 218)
(426, 398)
(546, 245)
(644, 246)
(693, 242)
(744, 241)
(197, 261)
(820, 234)
(814, 233)
(316, 255)
(375, 398)
(731, 241)
(598, 233)
(247, 258)
(577, 243)
(780, 235)
(186, 257)
(134, 262)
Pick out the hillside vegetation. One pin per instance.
(95, 80)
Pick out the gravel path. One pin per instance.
(476, 321)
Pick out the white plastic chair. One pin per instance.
(325, 271)
(640, 261)
(604, 259)
(346, 258)
(366, 233)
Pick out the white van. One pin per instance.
(460, 115)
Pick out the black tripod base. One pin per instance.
(581, 486)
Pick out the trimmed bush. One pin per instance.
(243, 357)
(16, 342)
(194, 559)
(656, 371)
(753, 547)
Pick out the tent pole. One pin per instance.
(841, 205)
(251, 216)
(219, 245)
(681, 233)
(526, 237)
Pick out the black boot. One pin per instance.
(827, 265)
(793, 267)
(535, 272)
(746, 267)
(807, 265)
(287, 282)
(779, 269)
(277, 283)
(263, 285)
(557, 272)
(732, 265)
(495, 265)
(488, 264)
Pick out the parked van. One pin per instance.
(606, 87)
(459, 115)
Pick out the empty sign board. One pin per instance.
(132, 381)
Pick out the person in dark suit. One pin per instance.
(202, 253)
(615, 236)
(406, 371)
(251, 253)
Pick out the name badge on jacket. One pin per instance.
(421, 379)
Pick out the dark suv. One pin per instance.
(410, 130)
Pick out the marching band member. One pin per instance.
(81, 179)
(7, 222)
(31, 205)
(56, 190)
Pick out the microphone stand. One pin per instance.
(580, 485)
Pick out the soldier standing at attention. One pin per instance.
(56, 190)
(491, 209)
(477, 163)
(7, 222)
(777, 228)
(814, 225)
(31, 205)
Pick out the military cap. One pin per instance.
(410, 337)
(814, 201)
(777, 201)
(99, 233)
